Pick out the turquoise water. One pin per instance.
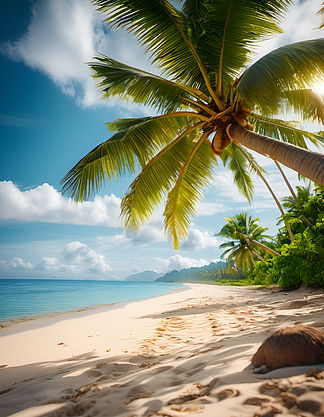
(21, 298)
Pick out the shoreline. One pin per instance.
(179, 353)
(5, 324)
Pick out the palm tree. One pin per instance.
(296, 206)
(244, 241)
(209, 95)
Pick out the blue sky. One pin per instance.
(51, 116)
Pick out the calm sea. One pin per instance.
(21, 298)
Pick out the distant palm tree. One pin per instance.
(210, 95)
(296, 206)
(245, 240)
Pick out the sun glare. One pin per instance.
(319, 89)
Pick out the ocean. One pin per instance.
(26, 298)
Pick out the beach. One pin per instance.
(185, 353)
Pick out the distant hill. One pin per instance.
(145, 276)
(213, 271)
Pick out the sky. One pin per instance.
(51, 115)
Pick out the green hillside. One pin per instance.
(212, 272)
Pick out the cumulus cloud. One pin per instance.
(79, 253)
(17, 263)
(62, 36)
(76, 258)
(45, 204)
(209, 208)
(198, 240)
(226, 189)
(179, 262)
(53, 264)
(149, 233)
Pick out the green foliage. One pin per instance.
(301, 262)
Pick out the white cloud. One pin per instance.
(17, 263)
(45, 204)
(262, 199)
(178, 262)
(209, 209)
(299, 24)
(198, 240)
(226, 189)
(52, 264)
(62, 36)
(150, 232)
(79, 253)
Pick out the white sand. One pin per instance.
(181, 354)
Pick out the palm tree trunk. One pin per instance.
(258, 171)
(278, 205)
(286, 181)
(265, 248)
(308, 223)
(307, 163)
(256, 254)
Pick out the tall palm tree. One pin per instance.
(209, 94)
(244, 236)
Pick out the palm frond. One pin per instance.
(296, 66)
(235, 161)
(254, 166)
(321, 13)
(115, 79)
(220, 32)
(163, 31)
(307, 103)
(227, 245)
(196, 174)
(120, 154)
(230, 254)
(150, 187)
(284, 131)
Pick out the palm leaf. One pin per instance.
(120, 80)
(195, 175)
(226, 46)
(120, 154)
(285, 131)
(254, 166)
(308, 104)
(163, 31)
(227, 245)
(150, 187)
(220, 31)
(230, 254)
(321, 13)
(296, 66)
(235, 161)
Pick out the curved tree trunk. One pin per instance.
(308, 223)
(307, 163)
(266, 248)
(286, 181)
(273, 196)
(278, 205)
(256, 254)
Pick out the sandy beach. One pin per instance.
(182, 354)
